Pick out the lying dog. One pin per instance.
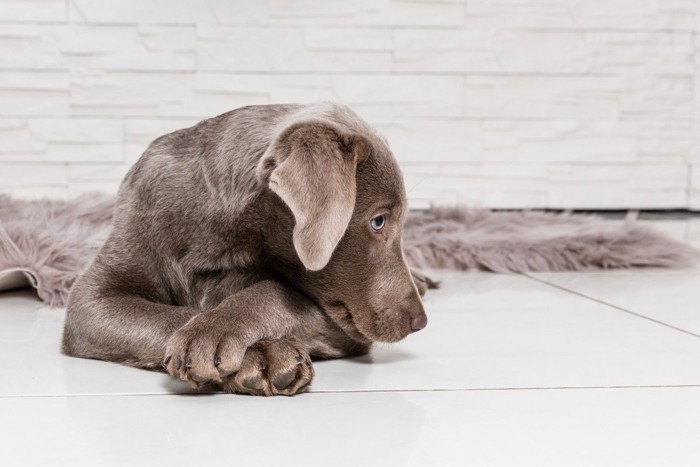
(247, 245)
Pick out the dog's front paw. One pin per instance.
(272, 367)
(202, 353)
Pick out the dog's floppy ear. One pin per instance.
(311, 166)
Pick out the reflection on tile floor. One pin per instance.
(589, 369)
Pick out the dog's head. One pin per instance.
(346, 194)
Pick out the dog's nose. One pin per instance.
(419, 321)
(412, 308)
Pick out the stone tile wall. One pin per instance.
(496, 103)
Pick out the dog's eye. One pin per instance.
(377, 223)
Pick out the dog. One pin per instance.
(248, 245)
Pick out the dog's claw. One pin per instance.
(254, 382)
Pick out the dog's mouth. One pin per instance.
(344, 319)
(381, 329)
(389, 327)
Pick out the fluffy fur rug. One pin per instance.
(48, 243)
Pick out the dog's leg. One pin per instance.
(423, 282)
(216, 344)
(125, 329)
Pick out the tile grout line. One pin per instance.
(616, 307)
(355, 391)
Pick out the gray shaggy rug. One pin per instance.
(48, 243)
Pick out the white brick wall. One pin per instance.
(498, 103)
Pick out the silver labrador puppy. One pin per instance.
(247, 245)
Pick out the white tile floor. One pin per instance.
(575, 369)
